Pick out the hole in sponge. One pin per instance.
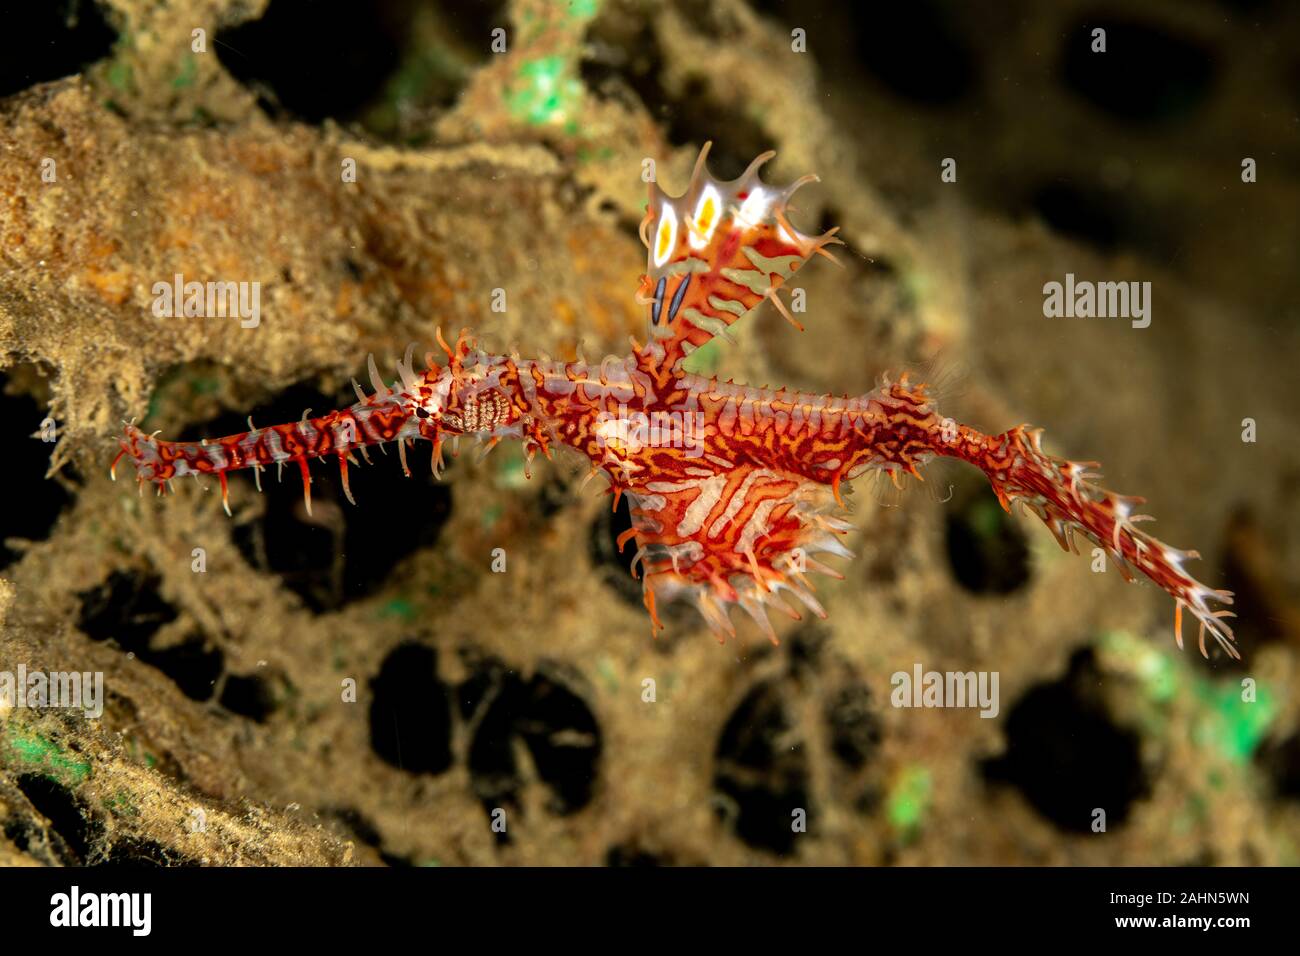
(763, 775)
(51, 39)
(1066, 755)
(410, 712)
(986, 549)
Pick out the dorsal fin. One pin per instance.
(714, 253)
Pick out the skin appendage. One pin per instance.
(734, 490)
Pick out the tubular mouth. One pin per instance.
(337, 434)
(161, 461)
(390, 414)
(146, 453)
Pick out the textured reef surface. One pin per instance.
(367, 684)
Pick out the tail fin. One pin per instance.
(1061, 493)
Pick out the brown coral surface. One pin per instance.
(462, 672)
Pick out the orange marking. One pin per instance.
(306, 482)
(655, 626)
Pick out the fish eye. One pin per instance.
(421, 412)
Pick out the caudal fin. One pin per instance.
(1062, 494)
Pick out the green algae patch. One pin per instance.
(908, 801)
(545, 91)
(29, 752)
